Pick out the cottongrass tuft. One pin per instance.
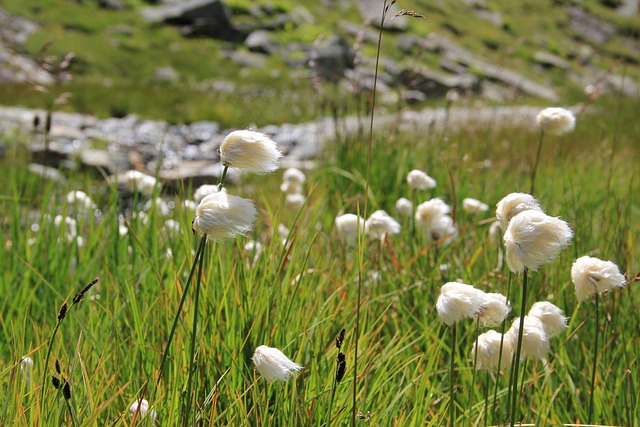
(535, 342)
(26, 365)
(556, 121)
(136, 181)
(512, 204)
(474, 206)
(295, 201)
(81, 201)
(533, 239)
(488, 350)
(591, 275)
(379, 224)
(493, 310)
(404, 207)
(222, 216)
(347, 226)
(294, 175)
(273, 364)
(457, 301)
(140, 409)
(551, 316)
(419, 180)
(204, 190)
(249, 150)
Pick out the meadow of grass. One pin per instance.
(299, 294)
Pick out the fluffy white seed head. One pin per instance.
(474, 206)
(295, 201)
(512, 204)
(380, 224)
(249, 150)
(141, 408)
(404, 207)
(419, 180)
(294, 175)
(493, 310)
(535, 342)
(136, 181)
(552, 318)
(556, 121)
(427, 212)
(160, 206)
(204, 190)
(68, 226)
(222, 216)
(80, 200)
(442, 227)
(273, 364)
(457, 301)
(489, 351)
(290, 187)
(533, 239)
(591, 275)
(26, 364)
(347, 226)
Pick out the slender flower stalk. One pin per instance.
(555, 121)
(516, 361)
(535, 165)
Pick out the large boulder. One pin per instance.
(330, 58)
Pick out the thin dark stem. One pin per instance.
(475, 361)
(486, 398)
(176, 318)
(366, 200)
(595, 361)
(452, 390)
(516, 362)
(46, 365)
(535, 166)
(194, 334)
(495, 391)
(223, 177)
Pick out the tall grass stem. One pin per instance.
(516, 362)
(595, 359)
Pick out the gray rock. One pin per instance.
(202, 131)
(495, 18)
(330, 58)
(549, 60)
(412, 97)
(166, 74)
(248, 59)
(434, 83)
(589, 26)
(261, 41)
(98, 159)
(112, 4)
(629, 8)
(47, 172)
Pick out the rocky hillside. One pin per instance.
(242, 62)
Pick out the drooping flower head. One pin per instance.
(591, 275)
(347, 226)
(552, 318)
(457, 301)
(26, 364)
(512, 204)
(249, 150)
(291, 187)
(140, 408)
(489, 351)
(493, 310)
(295, 201)
(419, 180)
(535, 342)
(404, 207)
(474, 206)
(534, 238)
(81, 201)
(556, 121)
(294, 175)
(380, 224)
(429, 211)
(222, 216)
(136, 181)
(273, 364)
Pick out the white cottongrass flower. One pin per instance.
(534, 238)
(81, 201)
(442, 228)
(493, 310)
(190, 204)
(204, 190)
(347, 226)
(404, 207)
(380, 224)
(252, 248)
(160, 205)
(295, 201)
(591, 275)
(495, 230)
(535, 342)
(249, 150)
(512, 204)
(273, 364)
(26, 364)
(140, 408)
(552, 318)
(419, 180)
(172, 226)
(457, 301)
(474, 206)
(291, 187)
(283, 231)
(136, 181)
(222, 216)
(429, 211)
(294, 175)
(70, 228)
(489, 351)
(556, 121)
